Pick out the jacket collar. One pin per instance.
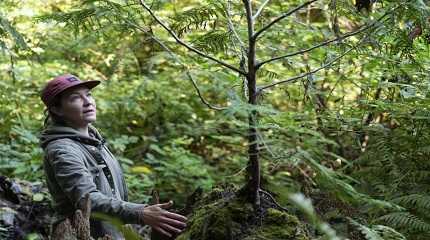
(54, 132)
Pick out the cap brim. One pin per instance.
(89, 84)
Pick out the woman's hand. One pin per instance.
(163, 221)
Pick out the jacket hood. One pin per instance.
(54, 132)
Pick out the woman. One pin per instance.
(77, 162)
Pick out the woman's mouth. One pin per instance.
(88, 111)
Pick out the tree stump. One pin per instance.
(79, 227)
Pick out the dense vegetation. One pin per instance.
(338, 113)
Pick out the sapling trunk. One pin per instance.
(253, 169)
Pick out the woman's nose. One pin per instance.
(86, 100)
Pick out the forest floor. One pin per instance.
(24, 209)
(221, 214)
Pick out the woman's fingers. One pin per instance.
(173, 222)
(166, 228)
(175, 216)
(170, 228)
(162, 231)
(163, 221)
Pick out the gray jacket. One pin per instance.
(76, 165)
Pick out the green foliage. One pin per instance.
(200, 17)
(8, 32)
(378, 232)
(414, 200)
(178, 171)
(402, 170)
(21, 156)
(94, 15)
(214, 41)
(405, 220)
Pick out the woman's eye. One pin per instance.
(74, 98)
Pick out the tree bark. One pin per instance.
(253, 168)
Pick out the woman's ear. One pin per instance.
(56, 110)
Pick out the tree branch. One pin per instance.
(171, 53)
(233, 29)
(347, 35)
(260, 9)
(260, 90)
(179, 41)
(12, 67)
(307, 73)
(259, 32)
(313, 47)
(199, 93)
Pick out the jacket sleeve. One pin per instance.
(76, 181)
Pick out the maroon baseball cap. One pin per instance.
(60, 84)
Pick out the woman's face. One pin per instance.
(77, 107)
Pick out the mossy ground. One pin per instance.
(221, 215)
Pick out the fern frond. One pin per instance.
(388, 233)
(384, 146)
(197, 18)
(377, 232)
(93, 15)
(344, 191)
(405, 220)
(368, 233)
(414, 201)
(270, 75)
(214, 41)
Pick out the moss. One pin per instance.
(279, 217)
(278, 225)
(208, 222)
(230, 219)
